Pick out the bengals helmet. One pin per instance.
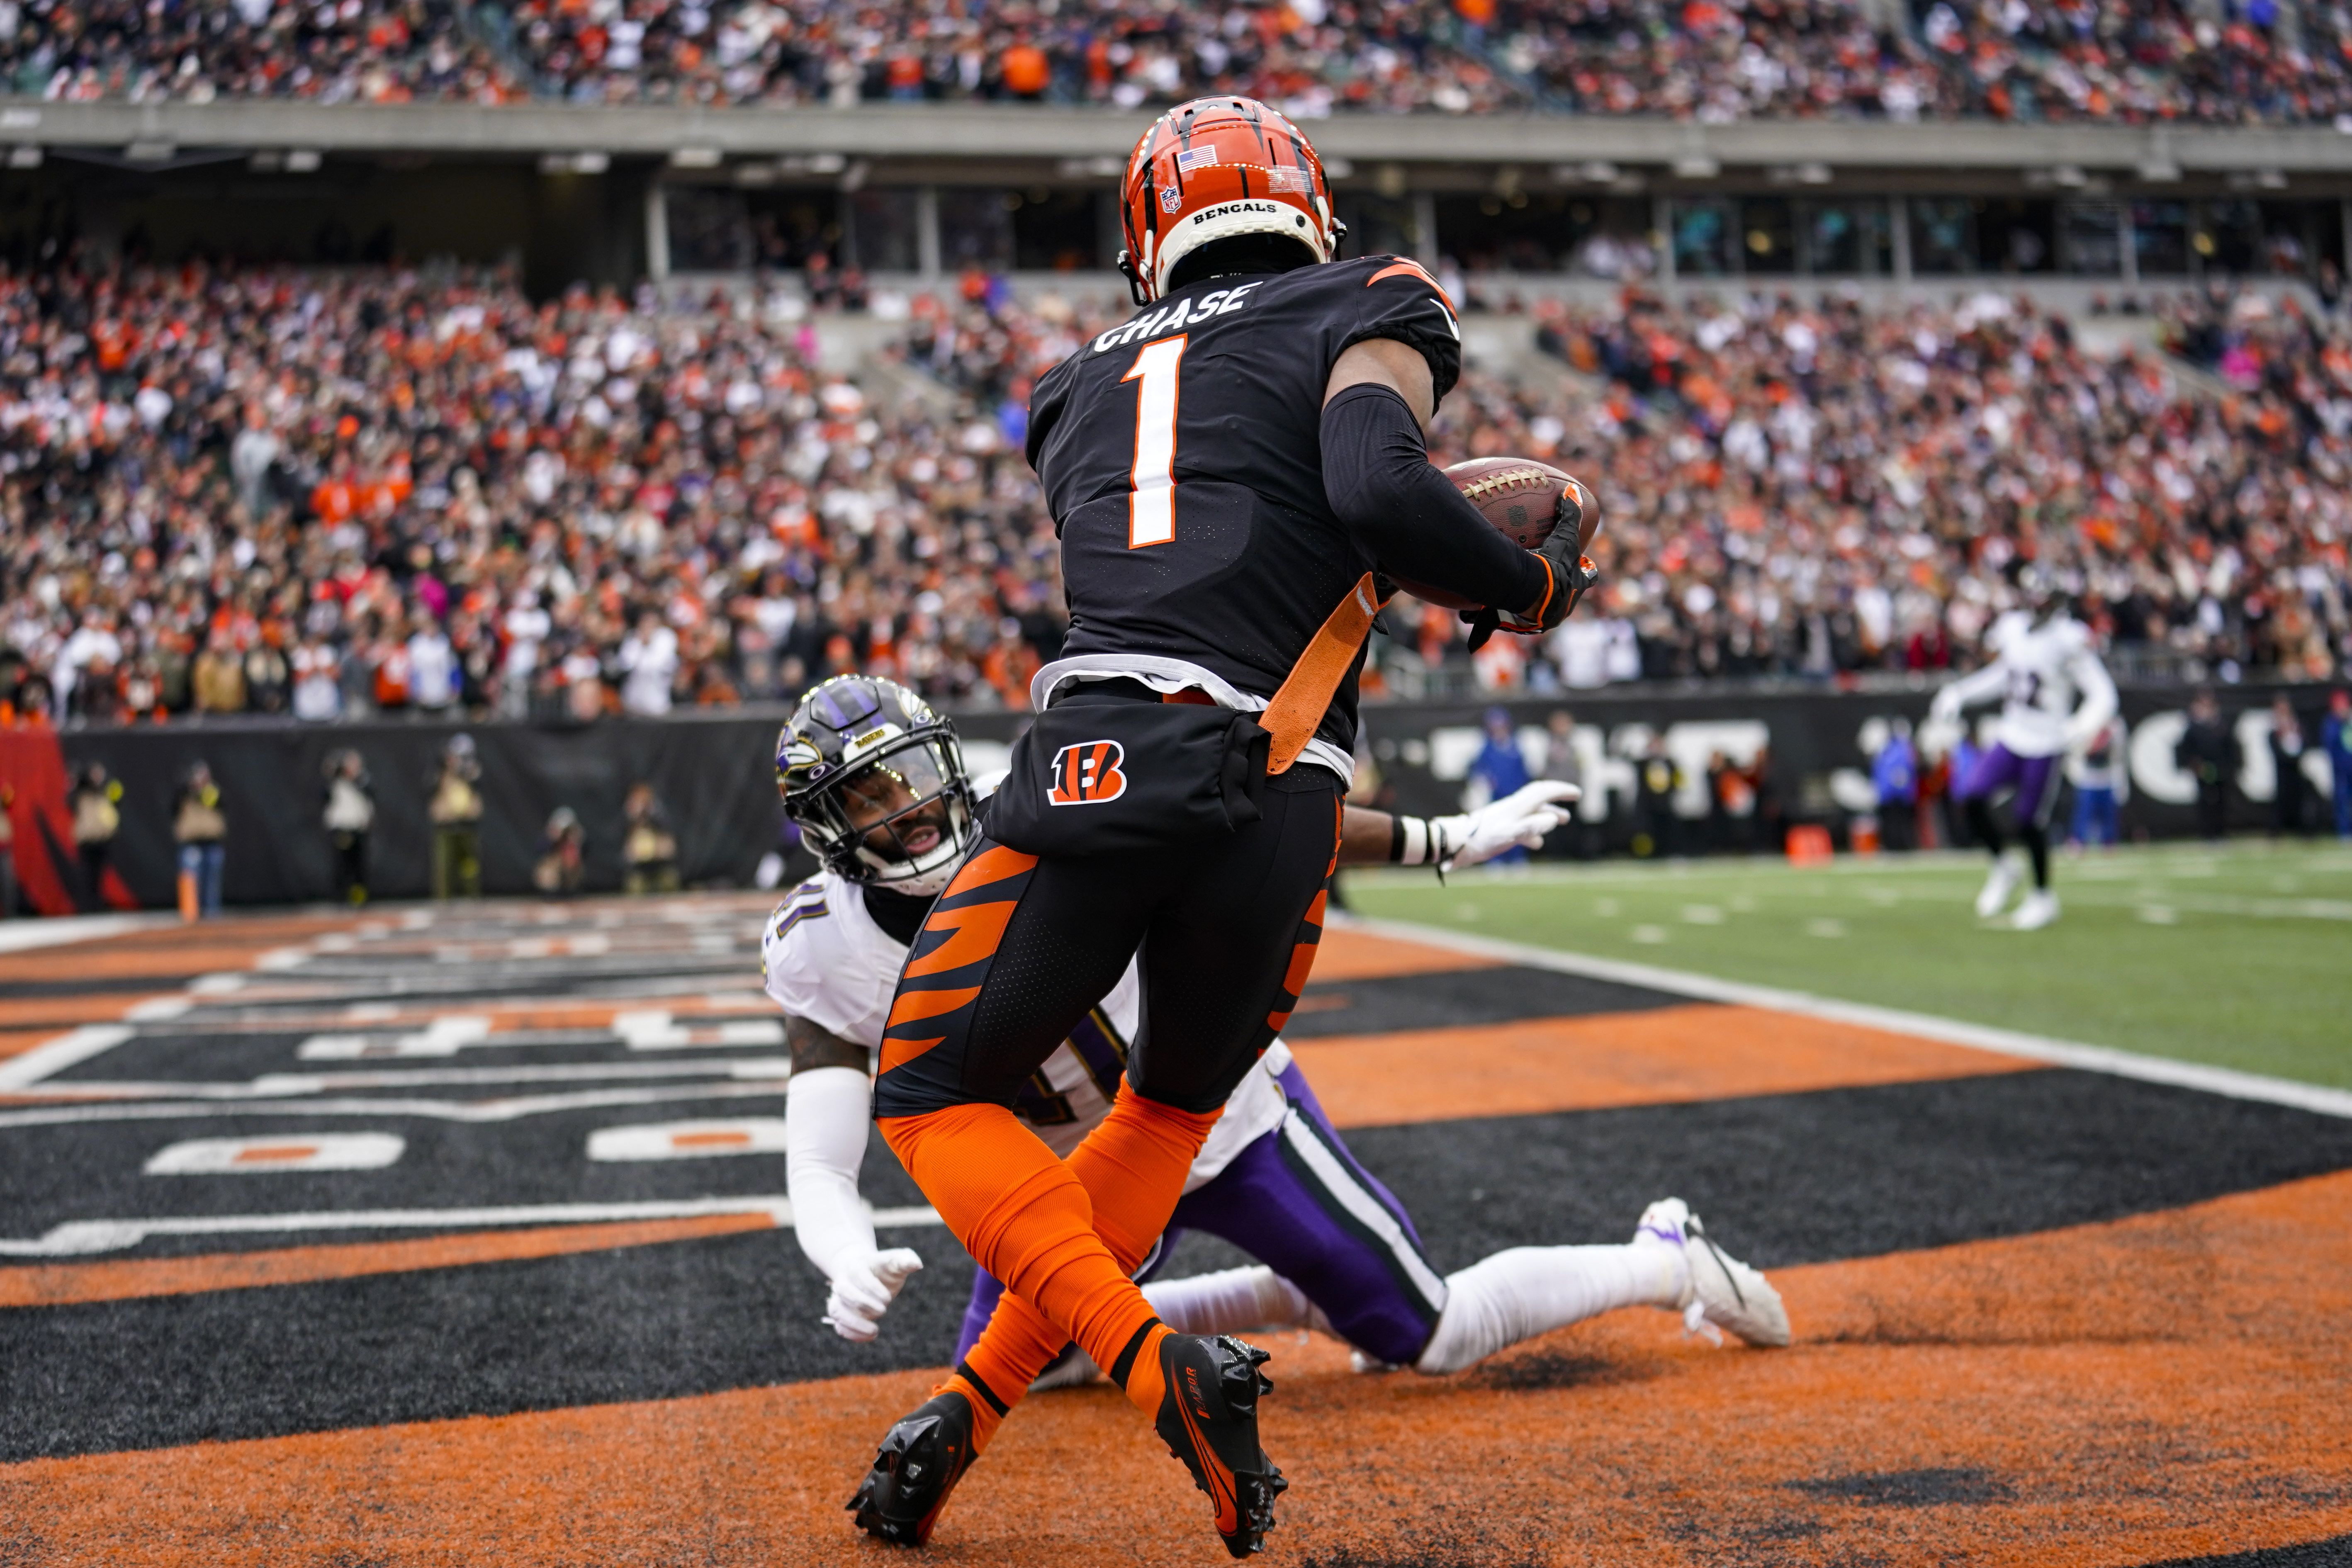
(1213, 169)
(877, 782)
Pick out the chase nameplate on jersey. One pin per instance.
(1097, 777)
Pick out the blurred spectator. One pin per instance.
(1958, 765)
(649, 664)
(1737, 802)
(1814, 488)
(267, 678)
(648, 848)
(1560, 762)
(318, 697)
(454, 805)
(96, 803)
(219, 676)
(200, 828)
(2336, 738)
(390, 657)
(374, 51)
(1894, 775)
(1499, 769)
(84, 673)
(563, 855)
(2288, 786)
(1656, 778)
(7, 852)
(2208, 752)
(2101, 784)
(2135, 62)
(350, 815)
(432, 669)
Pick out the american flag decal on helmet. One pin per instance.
(1087, 773)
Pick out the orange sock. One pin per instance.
(1024, 1218)
(1133, 1167)
(987, 1411)
(1134, 1164)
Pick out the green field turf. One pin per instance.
(2240, 956)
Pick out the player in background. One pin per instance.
(1226, 472)
(2056, 698)
(877, 782)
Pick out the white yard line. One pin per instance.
(276, 1086)
(471, 1111)
(78, 1238)
(2225, 1081)
(22, 936)
(69, 1049)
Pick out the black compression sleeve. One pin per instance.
(1379, 481)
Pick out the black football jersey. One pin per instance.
(1181, 458)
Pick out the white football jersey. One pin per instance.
(2046, 670)
(824, 960)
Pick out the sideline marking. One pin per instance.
(22, 936)
(2225, 1081)
(252, 1156)
(66, 1284)
(69, 1049)
(86, 1236)
(486, 1110)
(688, 1139)
(278, 1084)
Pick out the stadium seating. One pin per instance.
(2145, 61)
(248, 489)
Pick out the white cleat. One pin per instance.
(1998, 887)
(1074, 1369)
(2039, 907)
(1719, 1291)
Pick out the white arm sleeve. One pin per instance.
(1971, 689)
(2099, 702)
(826, 1113)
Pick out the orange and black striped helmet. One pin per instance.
(1214, 168)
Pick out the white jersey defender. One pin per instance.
(2055, 697)
(2054, 692)
(825, 959)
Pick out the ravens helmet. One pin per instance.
(877, 782)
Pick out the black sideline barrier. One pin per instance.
(714, 775)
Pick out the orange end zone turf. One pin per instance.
(2107, 1395)
(1348, 954)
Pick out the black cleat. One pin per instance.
(920, 1461)
(1208, 1418)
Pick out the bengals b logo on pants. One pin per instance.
(1087, 773)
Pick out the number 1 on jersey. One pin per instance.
(1152, 510)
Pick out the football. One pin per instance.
(1519, 496)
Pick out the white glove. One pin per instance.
(865, 1283)
(1521, 818)
(1946, 708)
(2080, 737)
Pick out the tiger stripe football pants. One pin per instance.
(1013, 956)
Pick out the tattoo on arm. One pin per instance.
(1365, 836)
(815, 1047)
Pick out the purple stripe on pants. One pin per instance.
(1272, 1205)
(2035, 780)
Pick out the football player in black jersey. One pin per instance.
(1227, 470)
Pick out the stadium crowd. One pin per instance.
(2135, 61)
(329, 494)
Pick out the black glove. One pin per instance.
(1573, 575)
